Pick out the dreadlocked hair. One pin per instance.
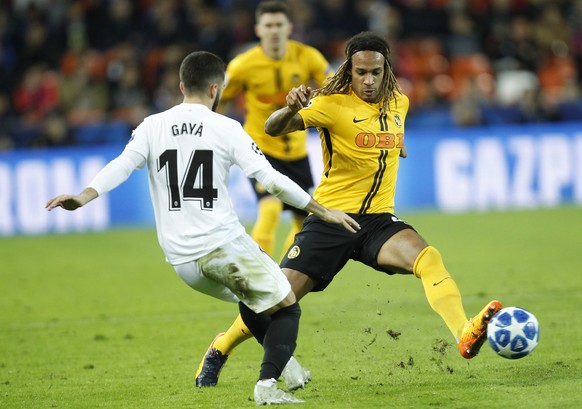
(340, 82)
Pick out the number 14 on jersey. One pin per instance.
(197, 182)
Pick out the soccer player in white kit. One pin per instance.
(189, 150)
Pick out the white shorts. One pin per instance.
(238, 270)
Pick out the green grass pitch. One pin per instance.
(101, 321)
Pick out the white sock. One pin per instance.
(267, 382)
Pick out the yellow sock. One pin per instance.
(267, 219)
(296, 225)
(237, 333)
(440, 288)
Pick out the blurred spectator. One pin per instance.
(35, 44)
(70, 33)
(551, 31)
(383, 19)
(36, 95)
(522, 51)
(496, 21)
(129, 97)
(421, 18)
(467, 109)
(8, 55)
(305, 27)
(575, 22)
(6, 124)
(513, 85)
(212, 31)
(462, 38)
(129, 101)
(533, 107)
(113, 22)
(6, 141)
(54, 131)
(167, 93)
(338, 20)
(165, 25)
(84, 91)
(239, 26)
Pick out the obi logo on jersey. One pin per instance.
(382, 140)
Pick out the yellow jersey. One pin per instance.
(265, 83)
(361, 151)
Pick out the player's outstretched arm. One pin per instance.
(108, 178)
(72, 202)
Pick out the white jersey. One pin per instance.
(189, 150)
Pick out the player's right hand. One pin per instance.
(67, 202)
(298, 97)
(72, 202)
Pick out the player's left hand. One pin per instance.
(338, 217)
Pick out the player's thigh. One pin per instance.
(400, 251)
(248, 272)
(319, 251)
(190, 273)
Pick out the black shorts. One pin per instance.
(321, 249)
(299, 171)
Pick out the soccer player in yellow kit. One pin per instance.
(264, 74)
(360, 115)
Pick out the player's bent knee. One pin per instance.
(290, 299)
(301, 284)
(293, 310)
(429, 260)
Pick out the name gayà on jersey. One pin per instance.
(187, 128)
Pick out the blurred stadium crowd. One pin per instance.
(87, 71)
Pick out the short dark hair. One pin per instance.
(199, 70)
(272, 6)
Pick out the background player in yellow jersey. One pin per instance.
(360, 115)
(264, 74)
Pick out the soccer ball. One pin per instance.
(513, 332)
